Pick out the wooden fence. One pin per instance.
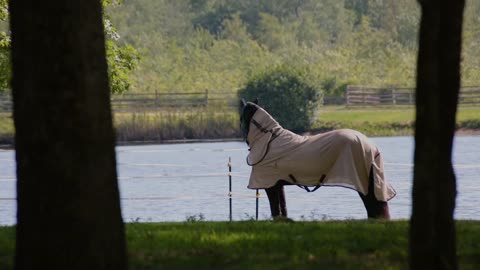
(372, 96)
(354, 96)
(156, 100)
(152, 101)
(5, 102)
(366, 95)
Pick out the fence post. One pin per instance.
(347, 95)
(364, 98)
(230, 186)
(257, 195)
(394, 96)
(206, 98)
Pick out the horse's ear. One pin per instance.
(243, 103)
(256, 101)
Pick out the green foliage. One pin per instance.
(234, 29)
(122, 59)
(5, 65)
(286, 95)
(218, 44)
(332, 87)
(192, 45)
(106, 3)
(271, 33)
(3, 10)
(213, 20)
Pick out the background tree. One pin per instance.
(67, 195)
(122, 59)
(5, 67)
(364, 42)
(432, 226)
(286, 94)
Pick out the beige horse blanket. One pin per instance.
(337, 158)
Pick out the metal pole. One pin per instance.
(257, 195)
(230, 185)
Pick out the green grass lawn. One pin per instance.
(385, 121)
(400, 114)
(367, 114)
(265, 245)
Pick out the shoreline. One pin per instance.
(467, 132)
(458, 132)
(176, 141)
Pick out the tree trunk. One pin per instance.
(432, 228)
(68, 200)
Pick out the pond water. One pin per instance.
(176, 182)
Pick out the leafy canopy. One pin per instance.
(121, 59)
(286, 94)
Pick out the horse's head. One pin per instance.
(247, 110)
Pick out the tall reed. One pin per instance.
(177, 124)
(7, 131)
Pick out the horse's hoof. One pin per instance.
(282, 219)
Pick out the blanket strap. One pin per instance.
(264, 130)
(306, 188)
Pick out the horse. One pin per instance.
(342, 157)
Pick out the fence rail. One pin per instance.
(158, 100)
(354, 96)
(372, 96)
(5, 102)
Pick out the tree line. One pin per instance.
(191, 45)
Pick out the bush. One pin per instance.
(286, 95)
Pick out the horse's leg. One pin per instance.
(273, 198)
(276, 197)
(374, 207)
(282, 201)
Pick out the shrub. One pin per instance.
(286, 94)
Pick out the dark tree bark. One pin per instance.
(432, 228)
(68, 200)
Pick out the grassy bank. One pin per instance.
(392, 121)
(7, 130)
(177, 124)
(222, 123)
(160, 125)
(269, 245)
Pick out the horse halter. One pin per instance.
(264, 130)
